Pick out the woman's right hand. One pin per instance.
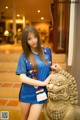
(47, 80)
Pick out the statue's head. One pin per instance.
(63, 87)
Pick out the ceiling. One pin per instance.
(27, 8)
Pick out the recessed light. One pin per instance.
(38, 11)
(18, 15)
(6, 7)
(42, 18)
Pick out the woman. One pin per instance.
(34, 67)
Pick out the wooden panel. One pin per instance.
(60, 13)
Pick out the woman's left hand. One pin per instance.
(56, 67)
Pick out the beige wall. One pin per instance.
(42, 26)
(75, 69)
(43, 29)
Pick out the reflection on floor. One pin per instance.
(9, 82)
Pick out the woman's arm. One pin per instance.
(30, 81)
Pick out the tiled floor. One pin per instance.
(12, 85)
(3, 102)
(6, 85)
(13, 103)
(7, 48)
(7, 102)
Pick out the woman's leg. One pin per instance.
(25, 107)
(35, 111)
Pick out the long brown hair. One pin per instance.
(26, 47)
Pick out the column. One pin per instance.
(24, 22)
(14, 24)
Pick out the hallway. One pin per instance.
(9, 81)
(62, 23)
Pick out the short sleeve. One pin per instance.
(21, 67)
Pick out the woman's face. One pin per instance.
(32, 40)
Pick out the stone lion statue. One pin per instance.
(62, 98)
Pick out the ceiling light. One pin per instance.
(18, 15)
(6, 7)
(42, 18)
(38, 11)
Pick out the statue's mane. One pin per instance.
(73, 92)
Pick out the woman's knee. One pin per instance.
(24, 110)
(35, 111)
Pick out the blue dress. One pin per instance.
(27, 92)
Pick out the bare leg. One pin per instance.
(25, 107)
(35, 111)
